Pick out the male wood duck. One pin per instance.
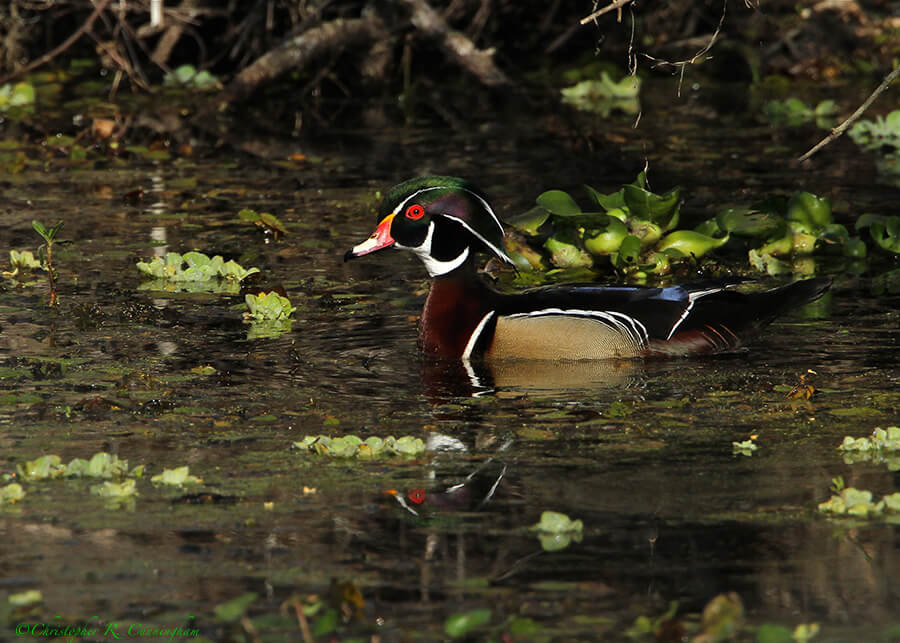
(444, 220)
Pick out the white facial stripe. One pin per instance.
(498, 251)
(687, 311)
(632, 328)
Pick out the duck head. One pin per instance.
(442, 219)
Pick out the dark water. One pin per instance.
(640, 452)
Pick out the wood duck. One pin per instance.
(444, 220)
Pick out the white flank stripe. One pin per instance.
(470, 345)
(687, 311)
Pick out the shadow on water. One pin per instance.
(640, 452)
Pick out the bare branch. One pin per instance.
(840, 129)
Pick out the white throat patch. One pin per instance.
(435, 267)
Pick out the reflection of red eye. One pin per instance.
(415, 212)
(416, 495)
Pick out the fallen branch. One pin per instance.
(299, 51)
(53, 53)
(457, 46)
(840, 129)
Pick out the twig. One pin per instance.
(682, 64)
(840, 129)
(53, 53)
(615, 4)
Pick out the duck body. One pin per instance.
(444, 220)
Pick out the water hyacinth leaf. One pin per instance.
(811, 211)
(564, 253)
(710, 228)
(11, 493)
(559, 203)
(647, 231)
(614, 201)
(268, 306)
(746, 222)
(886, 234)
(459, 625)
(628, 253)
(690, 243)
(529, 221)
(607, 239)
(644, 204)
(524, 256)
(768, 263)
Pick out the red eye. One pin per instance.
(416, 495)
(415, 212)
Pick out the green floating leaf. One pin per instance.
(268, 306)
(459, 625)
(200, 268)
(689, 243)
(178, 476)
(559, 203)
(115, 490)
(553, 522)
(26, 598)
(351, 446)
(11, 493)
(47, 466)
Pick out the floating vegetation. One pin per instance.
(101, 465)
(462, 624)
(351, 446)
(19, 95)
(747, 447)
(881, 135)
(11, 493)
(634, 232)
(116, 490)
(556, 530)
(793, 112)
(23, 260)
(605, 95)
(188, 76)
(194, 266)
(859, 503)
(176, 477)
(882, 447)
(268, 222)
(268, 306)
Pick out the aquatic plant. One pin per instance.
(268, 306)
(11, 493)
(177, 477)
(881, 134)
(634, 231)
(556, 530)
(268, 222)
(604, 95)
(793, 112)
(199, 267)
(16, 95)
(352, 446)
(46, 252)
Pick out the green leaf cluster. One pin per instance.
(556, 530)
(882, 134)
(793, 112)
(859, 503)
(632, 229)
(11, 493)
(885, 231)
(47, 234)
(268, 306)
(194, 266)
(188, 76)
(25, 260)
(18, 95)
(178, 477)
(116, 490)
(747, 447)
(883, 446)
(604, 95)
(101, 465)
(351, 446)
(264, 220)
